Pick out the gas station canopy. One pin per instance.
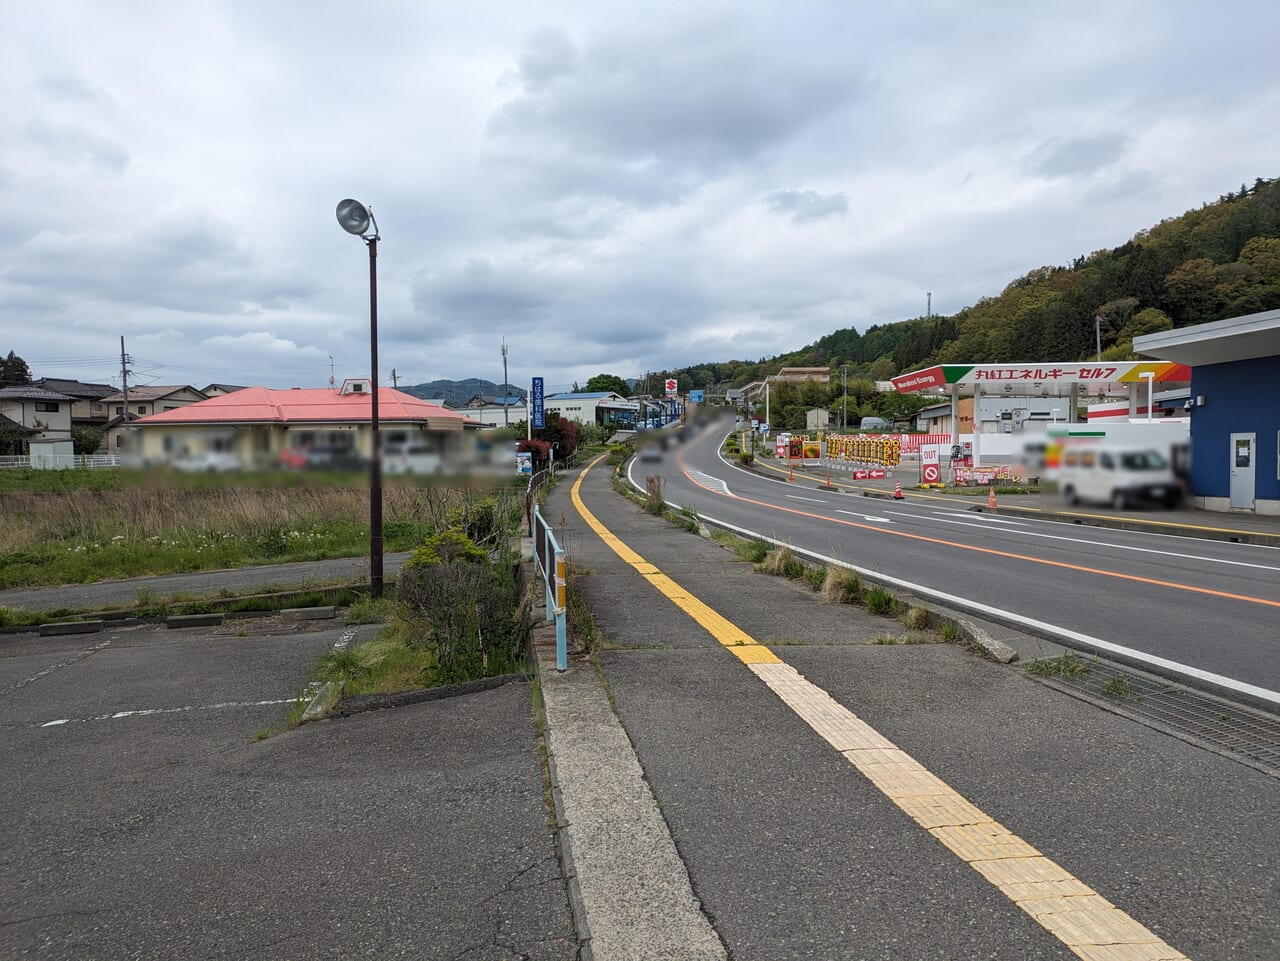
(1039, 379)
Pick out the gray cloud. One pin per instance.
(602, 184)
(67, 143)
(677, 98)
(1065, 157)
(805, 206)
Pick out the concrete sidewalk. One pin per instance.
(787, 851)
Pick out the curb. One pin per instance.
(363, 703)
(70, 627)
(577, 906)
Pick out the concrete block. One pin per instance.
(309, 613)
(70, 627)
(193, 620)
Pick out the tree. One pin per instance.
(85, 439)
(14, 371)
(562, 434)
(608, 382)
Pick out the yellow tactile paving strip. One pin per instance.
(1087, 923)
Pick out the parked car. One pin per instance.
(1119, 476)
(210, 461)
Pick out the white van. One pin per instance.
(1119, 476)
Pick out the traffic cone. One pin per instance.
(897, 490)
(991, 496)
(791, 474)
(828, 480)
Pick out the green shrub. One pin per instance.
(472, 617)
(448, 547)
(880, 601)
(815, 577)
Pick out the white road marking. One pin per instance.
(149, 712)
(986, 518)
(867, 517)
(79, 656)
(715, 483)
(811, 500)
(1119, 547)
(1001, 614)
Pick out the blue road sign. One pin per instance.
(539, 419)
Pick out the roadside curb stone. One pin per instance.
(70, 627)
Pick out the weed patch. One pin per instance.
(781, 563)
(841, 586)
(1121, 688)
(580, 623)
(916, 618)
(880, 601)
(815, 577)
(1067, 665)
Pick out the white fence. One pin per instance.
(61, 461)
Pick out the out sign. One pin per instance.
(671, 387)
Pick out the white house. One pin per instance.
(48, 414)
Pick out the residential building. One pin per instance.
(263, 426)
(89, 407)
(799, 375)
(143, 402)
(220, 390)
(45, 416)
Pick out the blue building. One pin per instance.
(1234, 407)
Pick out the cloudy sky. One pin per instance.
(609, 186)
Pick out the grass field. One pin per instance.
(72, 527)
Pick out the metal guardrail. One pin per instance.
(548, 557)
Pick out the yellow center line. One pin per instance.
(1089, 925)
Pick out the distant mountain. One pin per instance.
(461, 391)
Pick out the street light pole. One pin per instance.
(355, 218)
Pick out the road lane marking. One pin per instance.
(869, 517)
(713, 483)
(1089, 925)
(969, 522)
(811, 500)
(1003, 615)
(1064, 565)
(78, 656)
(152, 711)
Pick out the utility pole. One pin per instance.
(844, 411)
(332, 382)
(506, 400)
(1097, 335)
(395, 380)
(928, 309)
(124, 381)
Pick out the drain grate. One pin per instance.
(1242, 733)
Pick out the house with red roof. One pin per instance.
(263, 426)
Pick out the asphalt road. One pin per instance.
(1207, 606)
(142, 820)
(793, 854)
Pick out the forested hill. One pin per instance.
(1222, 260)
